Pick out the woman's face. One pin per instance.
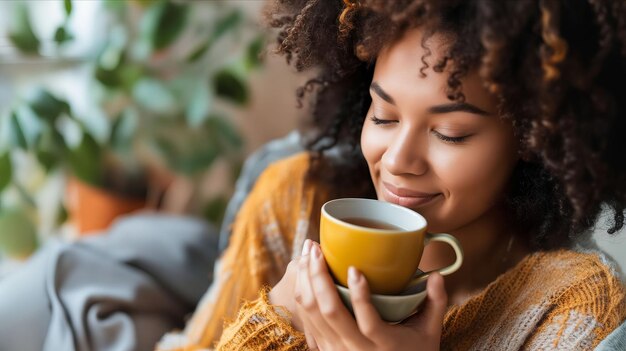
(448, 161)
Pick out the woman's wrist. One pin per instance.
(280, 296)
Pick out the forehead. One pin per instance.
(400, 67)
(405, 68)
(416, 46)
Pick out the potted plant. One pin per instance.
(166, 87)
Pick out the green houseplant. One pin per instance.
(167, 78)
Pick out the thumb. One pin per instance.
(436, 304)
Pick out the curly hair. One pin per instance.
(557, 68)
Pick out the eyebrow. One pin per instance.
(438, 109)
(457, 107)
(380, 92)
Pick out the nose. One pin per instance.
(406, 155)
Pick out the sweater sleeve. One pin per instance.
(584, 314)
(272, 221)
(261, 326)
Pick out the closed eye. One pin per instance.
(449, 139)
(379, 121)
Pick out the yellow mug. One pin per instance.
(384, 241)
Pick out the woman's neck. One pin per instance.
(490, 248)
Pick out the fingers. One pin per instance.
(331, 324)
(368, 319)
(436, 305)
(282, 294)
(308, 304)
(307, 326)
(331, 308)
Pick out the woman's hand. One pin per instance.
(282, 294)
(329, 326)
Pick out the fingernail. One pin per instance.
(316, 252)
(353, 275)
(306, 247)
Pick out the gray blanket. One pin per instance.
(120, 291)
(616, 341)
(124, 290)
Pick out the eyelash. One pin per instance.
(445, 138)
(378, 121)
(452, 140)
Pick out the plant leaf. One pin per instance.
(226, 23)
(86, 160)
(142, 3)
(253, 53)
(123, 130)
(154, 96)
(187, 157)
(108, 78)
(68, 7)
(49, 146)
(200, 51)
(30, 124)
(62, 215)
(109, 67)
(18, 234)
(229, 86)
(115, 5)
(47, 159)
(227, 136)
(199, 105)
(47, 106)
(61, 35)
(6, 170)
(169, 23)
(22, 35)
(129, 75)
(25, 196)
(199, 161)
(215, 209)
(222, 26)
(17, 135)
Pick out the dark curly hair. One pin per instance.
(557, 68)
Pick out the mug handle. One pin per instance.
(458, 251)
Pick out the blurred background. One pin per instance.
(109, 107)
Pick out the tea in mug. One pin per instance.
(371, 223)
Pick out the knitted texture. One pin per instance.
(261, 326)
(268, 232)
(559, 300)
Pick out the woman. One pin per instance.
(501, 122)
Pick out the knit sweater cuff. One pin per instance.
(261, 326)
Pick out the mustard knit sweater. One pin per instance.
(558, 300)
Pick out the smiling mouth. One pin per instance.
(405, 197)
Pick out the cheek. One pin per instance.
(477, 174)
(373, 145)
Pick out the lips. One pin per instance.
(405, 197)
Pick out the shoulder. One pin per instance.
(575, 272)
(289, 169)
(582, 282)
(282, 177)
(575, 268)
(583, 296)
(563, 299)
(281, 191)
